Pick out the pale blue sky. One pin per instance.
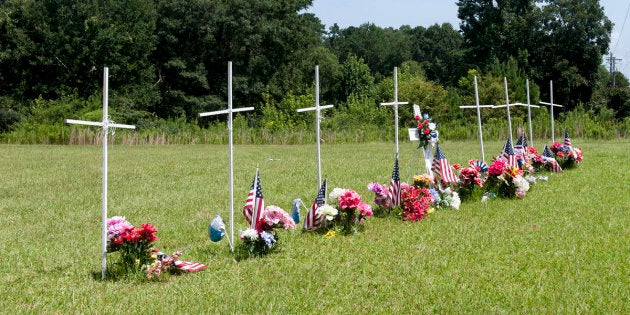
(394, 13)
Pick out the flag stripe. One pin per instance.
(255, 203)
(441, 167)
(394, 186)
(313, 219)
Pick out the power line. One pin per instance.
(622, 26)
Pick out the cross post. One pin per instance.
(317, 110)
(229, 111)
(551, 106)
(478, 107)
(395, 104)
(106, 124)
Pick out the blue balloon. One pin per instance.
(295, 210)
(216, 229)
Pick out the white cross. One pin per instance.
(317, 110)
(428, 150)
(551, 106)
(106, 124)
(395, 103)
(478, 107)
(229, 111)
(507, 105)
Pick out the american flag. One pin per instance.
(255, 204)
(508, 155)
(442, 168)
(549, 158)
(521, 145)
(567, 140)
(313, 220)
(180, 264)
(547, 153)
(394, 186)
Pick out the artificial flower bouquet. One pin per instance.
(506, 181)
(566, 155)
(471, 179)
(445, 197)
(352, 211)
(427, 131)
(424, 180)
(381, 198)
(134, 245)
(415, 201)
(262, 240)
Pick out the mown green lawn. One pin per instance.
(564, 248)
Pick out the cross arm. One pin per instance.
(475, 106)
(394, 103)
(225, 111)
(549, 104)
(313, 108)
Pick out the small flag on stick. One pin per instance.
(442, 168)
(567, 140)
(313, 219)
(255, 204)
(394, 186)
(508, 155)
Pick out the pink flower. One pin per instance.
(365, 209)
(349, 200)
(496, 168)
(275, 216)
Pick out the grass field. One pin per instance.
(564, 248)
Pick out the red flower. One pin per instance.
(425, 122)
(147, 231)
(417, 117)
(426, 131)
(457, 166)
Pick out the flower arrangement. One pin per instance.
(445, 198)
(415, 202)
(352, 211)
(262, 240)
(161, 264)
(381, 197)
(423, 180)
(506, 181)
(427, 131)
(567, 156)
(470, 179)
(133, 243)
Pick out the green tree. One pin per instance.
(440, 51)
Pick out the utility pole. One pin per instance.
(612, 61)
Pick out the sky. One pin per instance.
(394, 13)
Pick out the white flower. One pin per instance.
(336, 193)
(484, 198)
(327, 210)
(249, 234)
(456, 202)
(431, 126)
(521, 183)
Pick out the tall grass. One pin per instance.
(562, 249)
(581, 123)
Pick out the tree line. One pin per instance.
(168, 60)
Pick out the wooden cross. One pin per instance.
(395, 104)
(317, 110)
(551, 106)
(478, 107)
(105, 124)
(229, 111)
